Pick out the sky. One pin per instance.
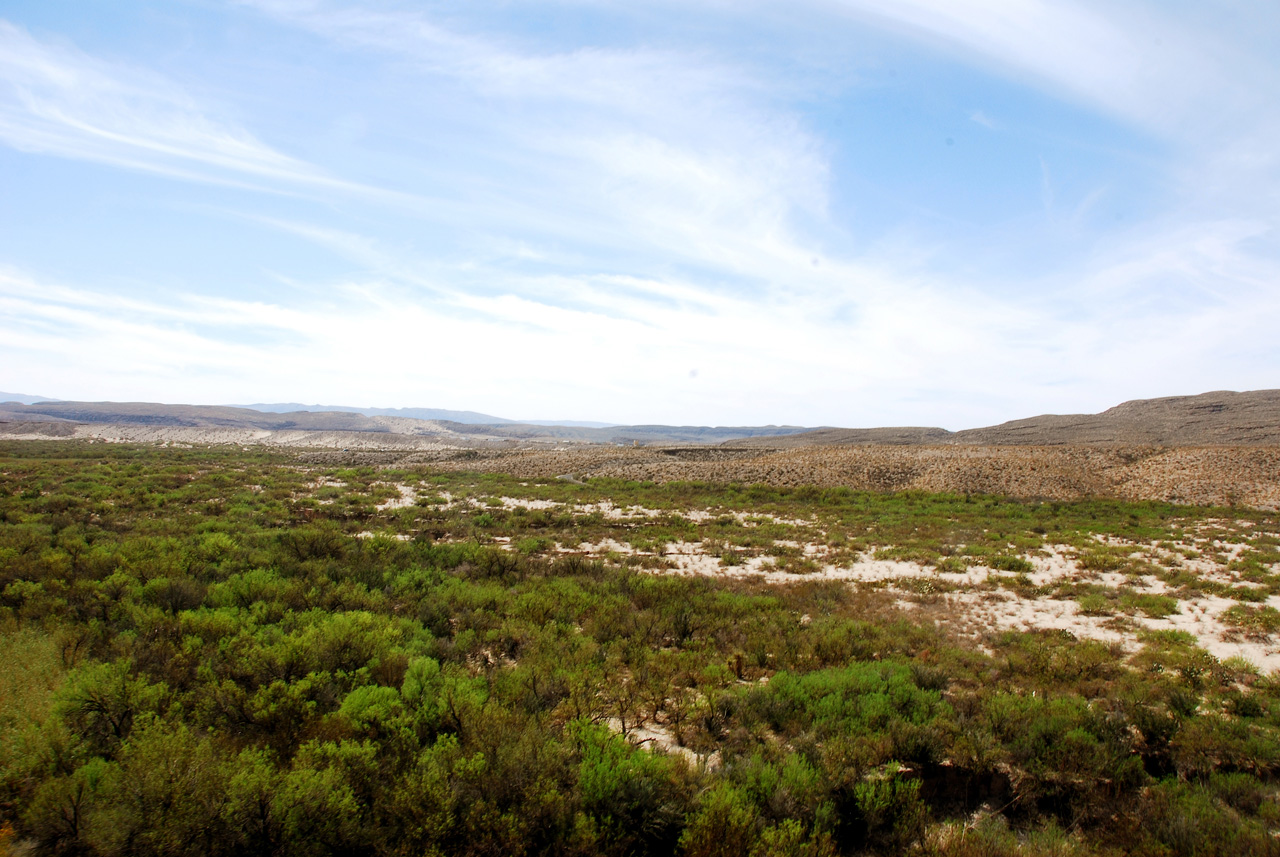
(819, 212)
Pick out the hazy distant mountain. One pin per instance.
(625, 435)
(23, 398)
(465, 417)
(156, 414)
(567, 423)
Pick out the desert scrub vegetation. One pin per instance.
(218, 651)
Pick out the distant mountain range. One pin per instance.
(1226, 418)
(157, 415)
(465, 417)
(22, 398)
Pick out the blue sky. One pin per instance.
(840, 212)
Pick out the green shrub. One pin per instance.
(1186, 819)
(890, 810)
(952, 565)
(1017, 564)
(1096, 604)
(723, 826)
(1155, 606)
(533, 545)
(1101, 560)
(1261, 621)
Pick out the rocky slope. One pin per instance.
(1237, 419)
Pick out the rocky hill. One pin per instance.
(1209, 419)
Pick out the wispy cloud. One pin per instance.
(678, 153)
(984, 120)
(55, 99)
(1135, 61)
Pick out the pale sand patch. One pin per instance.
(1056, 566)
(791, 522)
(691, 558)
(613, 512)
(531, 505)
(1200, 618)
(367, 534)
(407, 497)
(601, 547)
(1206, 567)
(654, 735)
(1005, 611)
